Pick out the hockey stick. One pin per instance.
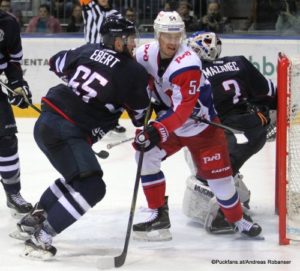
(242, 139)
(111, 145)
(120, 260)
(102, 154)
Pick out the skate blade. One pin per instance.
(248, 238)
(15, 214)
(36, 254)
(224, 230)
(153, 236)
(23, 236)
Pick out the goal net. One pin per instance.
(288, 148)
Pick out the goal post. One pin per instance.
(287, 197)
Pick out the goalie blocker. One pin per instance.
(200, 204)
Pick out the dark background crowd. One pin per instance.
(278, 17)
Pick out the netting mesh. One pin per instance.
(293, 166)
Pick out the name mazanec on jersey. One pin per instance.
(228, 67)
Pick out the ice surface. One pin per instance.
(101, 231)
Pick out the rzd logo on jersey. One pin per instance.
(179, 58)
(146, 56)
(208, 159)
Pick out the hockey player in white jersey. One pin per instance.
(242, 98)
(177, 86)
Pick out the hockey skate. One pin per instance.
(248, 229)
(117, 133)
(119, 129)
(17, 204)
(39, 246)
(219, 225)
(29, 224)
(156, 228)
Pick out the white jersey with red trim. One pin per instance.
(177, 89)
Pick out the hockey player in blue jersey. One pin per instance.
(74, 116)
(11, 54)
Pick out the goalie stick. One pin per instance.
(102, 154)
(222, 126)
(240, 140)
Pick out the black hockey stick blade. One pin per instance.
(102, 154)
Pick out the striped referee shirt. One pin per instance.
(93, 17)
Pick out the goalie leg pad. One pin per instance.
(242, 189)
(197, 201)
(200, 204)
(189, 160)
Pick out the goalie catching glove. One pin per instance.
(21, 96)
(151, 136)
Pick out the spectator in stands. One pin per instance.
(61, 9)
(5, 5)
(76, 21)
(263, 15)
(130, 14)
(288, 21)
(184, 9)
(213, 21)
(170, 6)
(44, 22)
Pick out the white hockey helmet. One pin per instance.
(207, 45)
(168, 22)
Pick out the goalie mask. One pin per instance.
(169, 22)
(206, 45)
(113, 27)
